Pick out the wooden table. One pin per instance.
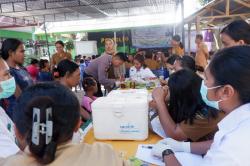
(127, 148)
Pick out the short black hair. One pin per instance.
(59, 42)
(172, 59)
(232, 66)
(34, 61)
(87, 83)
(66, 66)
(187, 62)
(81, 61)
(10, 44)
(42, 63)
(238, 30)
(65, 117)
(122, 56)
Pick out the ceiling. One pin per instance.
(31, 12)
(221, 12)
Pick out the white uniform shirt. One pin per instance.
(231, 146)
(7, 136)
(142, 73)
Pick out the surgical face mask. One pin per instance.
(8, 88)
(204, 90)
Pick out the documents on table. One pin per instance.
(144, 153)
(186, 159)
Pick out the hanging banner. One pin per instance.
(152, 37)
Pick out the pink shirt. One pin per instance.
(33, 71)
(86, 102)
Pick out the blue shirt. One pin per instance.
(23, 80)
(44, 76)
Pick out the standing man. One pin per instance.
(99, 69)
(60, 54)
(202, 54)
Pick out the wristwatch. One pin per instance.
(166, 153)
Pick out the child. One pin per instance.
(90, 87)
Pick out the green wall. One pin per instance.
(15, 34)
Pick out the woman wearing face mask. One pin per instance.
(7, 136)
(46, 116)
(12, 52)
(184, 116)
(222, 90)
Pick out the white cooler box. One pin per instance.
(128, 93)
(120, 118)
(131, 93)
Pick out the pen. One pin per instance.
(148, 147)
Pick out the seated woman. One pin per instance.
(185, 116)
(46, 116)
(7, 135)
(140, 70)
(69, 76)
(227, 89)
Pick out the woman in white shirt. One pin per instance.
(226, 87)
(7, 136)
(140, 70)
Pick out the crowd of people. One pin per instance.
(203, 106)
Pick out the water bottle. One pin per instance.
(161, 73)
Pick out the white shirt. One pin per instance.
(7, 136)
(142, 73)
(231, 146)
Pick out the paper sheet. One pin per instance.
(157, 128)
(186, 159)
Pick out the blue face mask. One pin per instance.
(204, 90)
(8, 88)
